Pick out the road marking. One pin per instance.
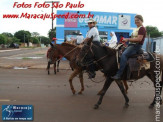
(4, 100)
(9, 50)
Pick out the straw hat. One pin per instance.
(92, 20)
(80, 33)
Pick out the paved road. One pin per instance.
(53, 101)
(19, 51)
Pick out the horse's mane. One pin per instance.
(110, 50)
(67, 44)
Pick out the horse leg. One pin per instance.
(76, 72)
(121, 87)
(126, 86)
(106, 86)
(55, 68)
(48, 67)
(152, 76)
(81, 81)
(100, 92)
(58, 66)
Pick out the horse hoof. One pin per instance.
(96, 106)
(73, 92)
(151, 106)
(79, 92)
(48, 73)
(126, 105)
(57, 70)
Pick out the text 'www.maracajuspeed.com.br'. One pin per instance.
(46, 16)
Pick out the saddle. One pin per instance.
(148, 56)
(137, 62)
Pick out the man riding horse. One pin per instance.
(135, 44)
(92, 35)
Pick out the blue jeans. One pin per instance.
(130, 50)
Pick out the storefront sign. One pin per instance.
(71, 22)
(124, 21)
(104, 20)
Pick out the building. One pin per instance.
(120, 23)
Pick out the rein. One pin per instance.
(93, 54)
(68, 53)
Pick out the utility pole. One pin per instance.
(52, 2)
(24, 40)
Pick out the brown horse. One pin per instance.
(70, 52)
(53, 60)
(110, 67)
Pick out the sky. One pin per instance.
(151, 10)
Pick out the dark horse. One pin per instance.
(55, 60)
(106, 58)
(70, 52)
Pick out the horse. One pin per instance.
(53, 60)
(106, 58)
(70, 52)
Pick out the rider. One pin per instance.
(113, 42)
(79, 39)
(54, 41)
(94, 35)
(135, 43)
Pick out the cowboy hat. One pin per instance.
(92, 20)
(80, 33)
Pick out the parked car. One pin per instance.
(14, 45)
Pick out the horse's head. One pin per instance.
(52, 53)
(85, 55)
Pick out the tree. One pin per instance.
(35, 40)
(153, 31)
(22, 34)
(7, 34)
(3, 39)
(15, 40)
(52, 33)
(161, 33)
(35, 34)
(45, 40)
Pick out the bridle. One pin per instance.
(90, 62)
(93, 61)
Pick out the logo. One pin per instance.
(124, 21)
(17, 112)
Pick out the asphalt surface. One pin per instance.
(19, 51)
(53, 101)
